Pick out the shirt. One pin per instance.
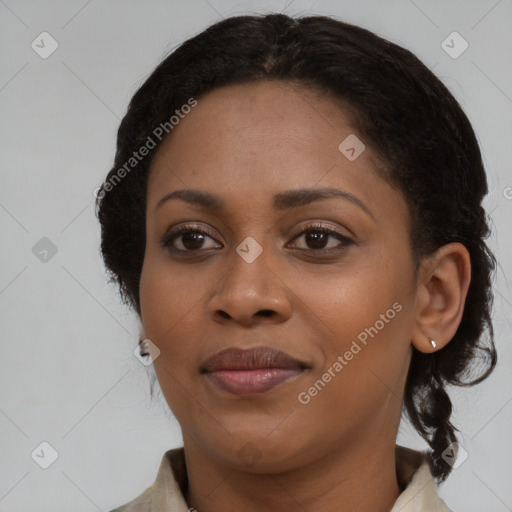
(166, 494)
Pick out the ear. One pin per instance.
(443, 285)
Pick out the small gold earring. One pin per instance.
(433, 343)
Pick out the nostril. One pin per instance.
(266, 312)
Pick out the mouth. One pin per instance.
(251, 371)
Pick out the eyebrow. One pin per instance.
(282, 201)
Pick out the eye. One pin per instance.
(192, 239)
(316, 237)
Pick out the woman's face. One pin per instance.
(256, 271)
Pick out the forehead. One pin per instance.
(268, 127)
(247, 142)
(256, 111)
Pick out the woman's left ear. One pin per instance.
(443, 283)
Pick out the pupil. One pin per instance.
(317, 239)
(192, 240)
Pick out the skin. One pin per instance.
(246, 143)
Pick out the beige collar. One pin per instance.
(413, 473)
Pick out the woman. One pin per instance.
(295, 215)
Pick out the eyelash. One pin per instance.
(168, 238)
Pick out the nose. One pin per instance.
(251, 293)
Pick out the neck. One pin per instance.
(352, 478)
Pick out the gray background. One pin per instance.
(68, 375)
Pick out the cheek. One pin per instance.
(165, 304)
(167, 310)
(167, 295)
(361, 382)
(365, 316)
(343, 303)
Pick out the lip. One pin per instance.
(251, 371)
